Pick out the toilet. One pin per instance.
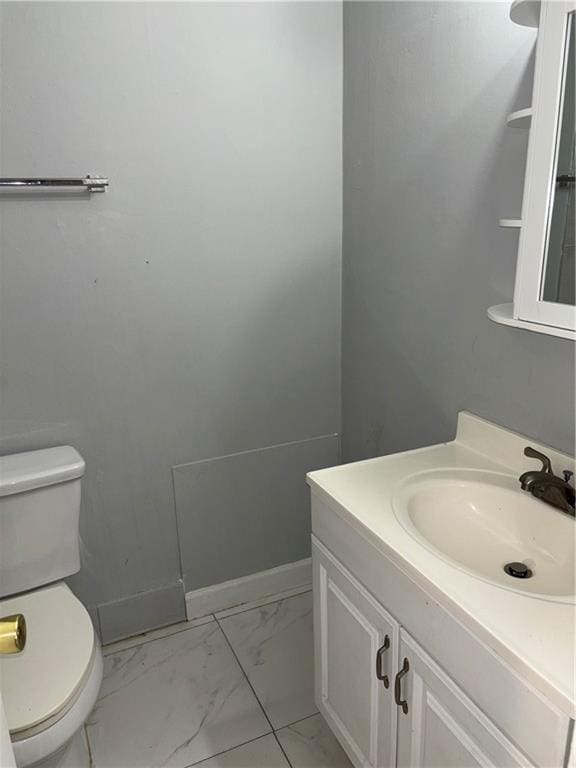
(50, 687)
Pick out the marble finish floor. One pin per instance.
(233, 690)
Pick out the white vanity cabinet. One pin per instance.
(485, 668)
(441, 727)
(388, 702)
(356, 652)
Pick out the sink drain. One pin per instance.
(518, 570)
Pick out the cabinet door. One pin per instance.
(439, 727)
(356, 651)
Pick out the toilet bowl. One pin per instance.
(50, 686)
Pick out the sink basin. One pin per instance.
(481, 521)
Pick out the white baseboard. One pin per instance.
(275, 582)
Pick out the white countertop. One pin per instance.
(535, 637)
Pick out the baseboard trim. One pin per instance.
(141, 612)
(256, 586)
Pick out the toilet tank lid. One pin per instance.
(36, 469)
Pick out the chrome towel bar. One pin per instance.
(88, 183)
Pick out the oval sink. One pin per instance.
(482, 521)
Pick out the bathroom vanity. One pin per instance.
(428, 653)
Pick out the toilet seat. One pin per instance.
(43, 746)
(41, 684)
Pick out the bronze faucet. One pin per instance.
(545, 485)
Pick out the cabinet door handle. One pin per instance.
(398, 686)
(379, 658)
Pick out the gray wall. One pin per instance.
(193, 310)
(429, 168)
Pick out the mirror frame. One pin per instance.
(539, 184)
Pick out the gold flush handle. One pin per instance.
(12, 633)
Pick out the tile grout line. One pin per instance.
(282, 749)
(88, 746)
(300, 720)
(246, 676)
(225, 751)
(273, 599)
(277, 730)
(107, 650)
(254, 692)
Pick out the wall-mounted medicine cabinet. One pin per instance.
(544, 294)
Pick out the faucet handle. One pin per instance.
(534, 454)
(567, 475)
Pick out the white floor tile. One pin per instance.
(262, 753)
(311, 744)
(173, 702)
(155, 634)
(274, 645)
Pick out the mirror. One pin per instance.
(559, 278)
(544, 292)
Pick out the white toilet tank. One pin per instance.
(39, 511)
